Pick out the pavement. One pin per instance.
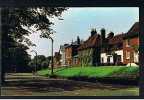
(27, 84)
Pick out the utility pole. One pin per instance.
(52, 62)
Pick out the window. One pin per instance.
(127, 55)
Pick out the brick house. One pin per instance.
(131, 44)
(62, 52)
(89, 51)
(68, 55)
(101, 50)
(57, 58)
(71, 53)
(112, 53)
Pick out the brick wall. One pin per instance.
(68, 55)
(128, 49)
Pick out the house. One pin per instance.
(112, 53)
(71, 53)
(101, 50)
(68, 55)
(62, 52)
(57, 58)
(89, 51)
(131, 45)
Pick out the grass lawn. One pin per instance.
(90, 71)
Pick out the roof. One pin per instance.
(92, 41)
(133, 32)
(116, 39)
(134, 28)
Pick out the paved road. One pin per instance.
(22, 76)
(26, 84)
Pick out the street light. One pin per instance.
(52, 63)
(36, 59)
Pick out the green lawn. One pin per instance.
(89, 71)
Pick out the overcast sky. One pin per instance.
(79, 21)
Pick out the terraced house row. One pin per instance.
(103, 49)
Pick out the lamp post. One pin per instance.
(36, 60)
(52, 63)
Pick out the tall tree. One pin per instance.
(78, 40)
(20, 22)
(40, 59)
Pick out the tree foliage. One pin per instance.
(17, 23)
(41, 60)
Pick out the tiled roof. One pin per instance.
(134, 28)
(92, 41)
(116, 39)
(133, 32)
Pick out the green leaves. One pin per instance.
(16, 19)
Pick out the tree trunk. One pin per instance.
(4, 42)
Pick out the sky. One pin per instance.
(78, 21)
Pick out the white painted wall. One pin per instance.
(104, 56)
(120, 52)
(111, 59)
(62, 51)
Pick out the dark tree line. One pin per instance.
(42, 62)
(16, 24)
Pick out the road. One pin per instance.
(26, 84)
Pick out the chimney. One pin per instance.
(103, 33)
(93, 32)
(110, 35)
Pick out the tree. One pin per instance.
(136, 48)
(93, 31)
(42, 62)
(78, 40)
(40, 59)
(20, 22)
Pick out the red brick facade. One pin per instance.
(71, 56)
(128, 49)
(68, 55)
(131, 44)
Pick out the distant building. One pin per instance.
(71, 53)
(62, 52)
(131, 45)
(57, 58)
